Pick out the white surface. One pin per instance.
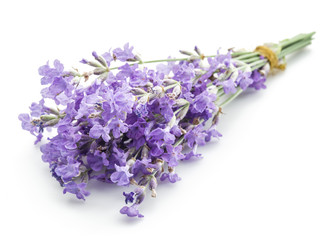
(265, 179)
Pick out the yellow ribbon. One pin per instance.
(271, 56)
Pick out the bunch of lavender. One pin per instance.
(130, 125)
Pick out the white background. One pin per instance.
(267, 178)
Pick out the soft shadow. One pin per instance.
(73, 201)
(130, 220)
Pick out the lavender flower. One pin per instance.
(77, 189)
(128, 197)
(130, 125)
(122, 176)
(98, 131)
(124, 54)
(131, 211)
(172, 177)
(68, 171)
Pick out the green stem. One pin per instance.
(234, 55)
(232, 97)
(301, 37)
(294, 48)
(287, 46)
(179, 141)
(248, 55)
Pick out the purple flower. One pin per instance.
(203, 101)
(183, 72)
(196, 135)
(68, 170)
(59, 90)
(37, 109)
(176, 131)
(124, 54)
(171, 176)
(172, 155)
(165, 68)
(141, 166)
(97, 130)
(160, 135)
(128, 197)
(49, 74)
(141, 110)
(131, 211)
(122, 176)
(258, 80)
(215, 62)
(53, 166)
(133, 75)
(244, 79)
(193, 154)
(118, 126)
(108, 57)
(38, 138)
(229, 86)
(27, 123)
(85, 108)
(212, 132)
(97, 160)
(77, 189)
(84, 61)
(117, 155)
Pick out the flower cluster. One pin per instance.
(131, 125)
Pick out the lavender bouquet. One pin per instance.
(131, 125)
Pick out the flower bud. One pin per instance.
(149, 84)
(177, 90)
(138, 91)
(143, 181)
(133, 181)
(181, 102)
(131, 60)
(52, 122)
(153, 193)
(212, 89)
(197, 50)
(91, 63)
(145, 152)
(100, 59)
(185, 52)
(153, 183)
(140, 194)
(158, 90)
(130, 162)
(99, 70)
(193, 57)
(172, 121)
(168, 82)
(52, 110)
(103, 76)
(182, 130)
(234, 75)
(160, 164)
(46, 118)
(181, 114)
(153, 186)
(144, 99)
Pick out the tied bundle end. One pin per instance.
(271, 56)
